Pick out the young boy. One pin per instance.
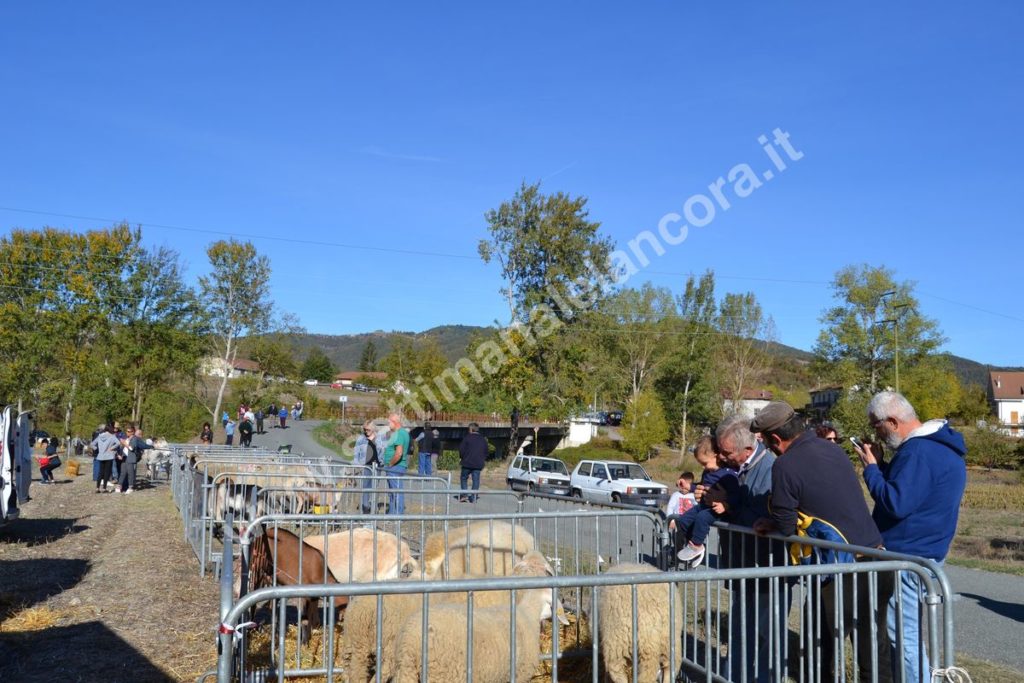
(721, 485)
(682, 500)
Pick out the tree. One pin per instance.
(643, 426)
(932, 387)
(549, 252)
(857, 345)
(974, 405)
(318, 366)
(633, 331)
(742, 343)
(688, 385)
(368, 361)
(236, 294)
(159, 328)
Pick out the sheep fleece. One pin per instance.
(654, 632)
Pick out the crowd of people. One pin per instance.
(776, 476)
(389, 450)
(116, 454)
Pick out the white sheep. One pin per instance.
(448, 633)
(360, 548)
(654, 630)
(481, 548)
(358, 640)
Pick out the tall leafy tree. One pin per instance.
(368, 360)
(318, 366)
(742, 349)
(236, 295)
(643, 426)
(633, 331)
(159, 327)
(548, 250)
(858, 341)
(688, 384)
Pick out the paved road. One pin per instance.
(989, 607)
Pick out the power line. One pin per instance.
(223, 233)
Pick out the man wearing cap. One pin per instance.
(815, 488)
(751, 635)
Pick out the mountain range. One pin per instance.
(345, 350)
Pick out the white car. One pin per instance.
(311, 382)
(535, 474)
(601, 481)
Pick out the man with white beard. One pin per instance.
(917, 502)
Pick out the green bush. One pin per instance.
(449, 460)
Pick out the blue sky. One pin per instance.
(327, 127)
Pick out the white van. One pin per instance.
(538, 475)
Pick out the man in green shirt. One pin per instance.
(396, 460)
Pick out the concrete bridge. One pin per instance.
(546, 435)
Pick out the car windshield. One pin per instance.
(626, 471)
(555, 466)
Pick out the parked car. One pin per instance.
(615, 418)
(534, 473)
(360, 387)
(311, 382)
(337, 385)
(601, 481)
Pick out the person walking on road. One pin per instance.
(472, 457)
(917, 503)
(396, 462)
(282, 417)
(229, 432)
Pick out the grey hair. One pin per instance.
(737, 429)
(887, 404)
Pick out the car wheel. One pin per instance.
(508, 482)
(616, 498)
(576, 493)
(529, 487)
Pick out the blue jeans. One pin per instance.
(96, 470)
(464, 476)
(695, 523)
(368, 483)
(909, 643)
(425, 465)
(396, 501)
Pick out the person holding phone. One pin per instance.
(917, 503)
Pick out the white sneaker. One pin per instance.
(129, 491)
(691, 554)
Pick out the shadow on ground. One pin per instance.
(43, 656)
(33, 532)
(1010, 610)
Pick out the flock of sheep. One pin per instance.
(483, 548)
(480, 549)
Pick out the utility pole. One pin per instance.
(895, 321)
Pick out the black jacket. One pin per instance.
(473, 451)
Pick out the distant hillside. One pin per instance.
(972, 372)
(345, 350)
(790, 371)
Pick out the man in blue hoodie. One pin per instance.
(917, 502)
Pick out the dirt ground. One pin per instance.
(102, 587)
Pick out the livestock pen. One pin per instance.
(796, 629)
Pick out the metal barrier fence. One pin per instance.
(217, 485)
(744, 619)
